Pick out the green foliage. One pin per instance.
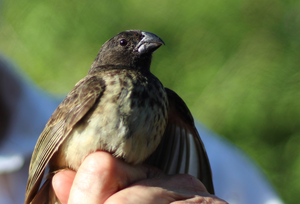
(235, 63)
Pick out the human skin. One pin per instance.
(114, 181)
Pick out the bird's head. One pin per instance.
(131, 48)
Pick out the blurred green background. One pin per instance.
(235, 63)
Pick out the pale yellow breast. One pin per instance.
(125, 122)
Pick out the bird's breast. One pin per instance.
(128, 120)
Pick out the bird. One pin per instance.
(120, 107)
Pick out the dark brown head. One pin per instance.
(131, 48)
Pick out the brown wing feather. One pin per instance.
(181, 149)
(76, 104)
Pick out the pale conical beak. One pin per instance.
(149, 43)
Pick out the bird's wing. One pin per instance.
(181, 149)
(76, 104)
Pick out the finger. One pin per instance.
(165, 189)
(184, 184)
(142, 194)
(159, 188)
(201, 199)
(62, 183)
(100, 176)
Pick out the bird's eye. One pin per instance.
(123, 42)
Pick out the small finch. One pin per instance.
(122, 108)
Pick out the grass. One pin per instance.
(235, 63)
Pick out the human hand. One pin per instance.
(114, 181)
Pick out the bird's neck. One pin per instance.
(141, 64)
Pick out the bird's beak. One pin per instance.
(149, 43)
